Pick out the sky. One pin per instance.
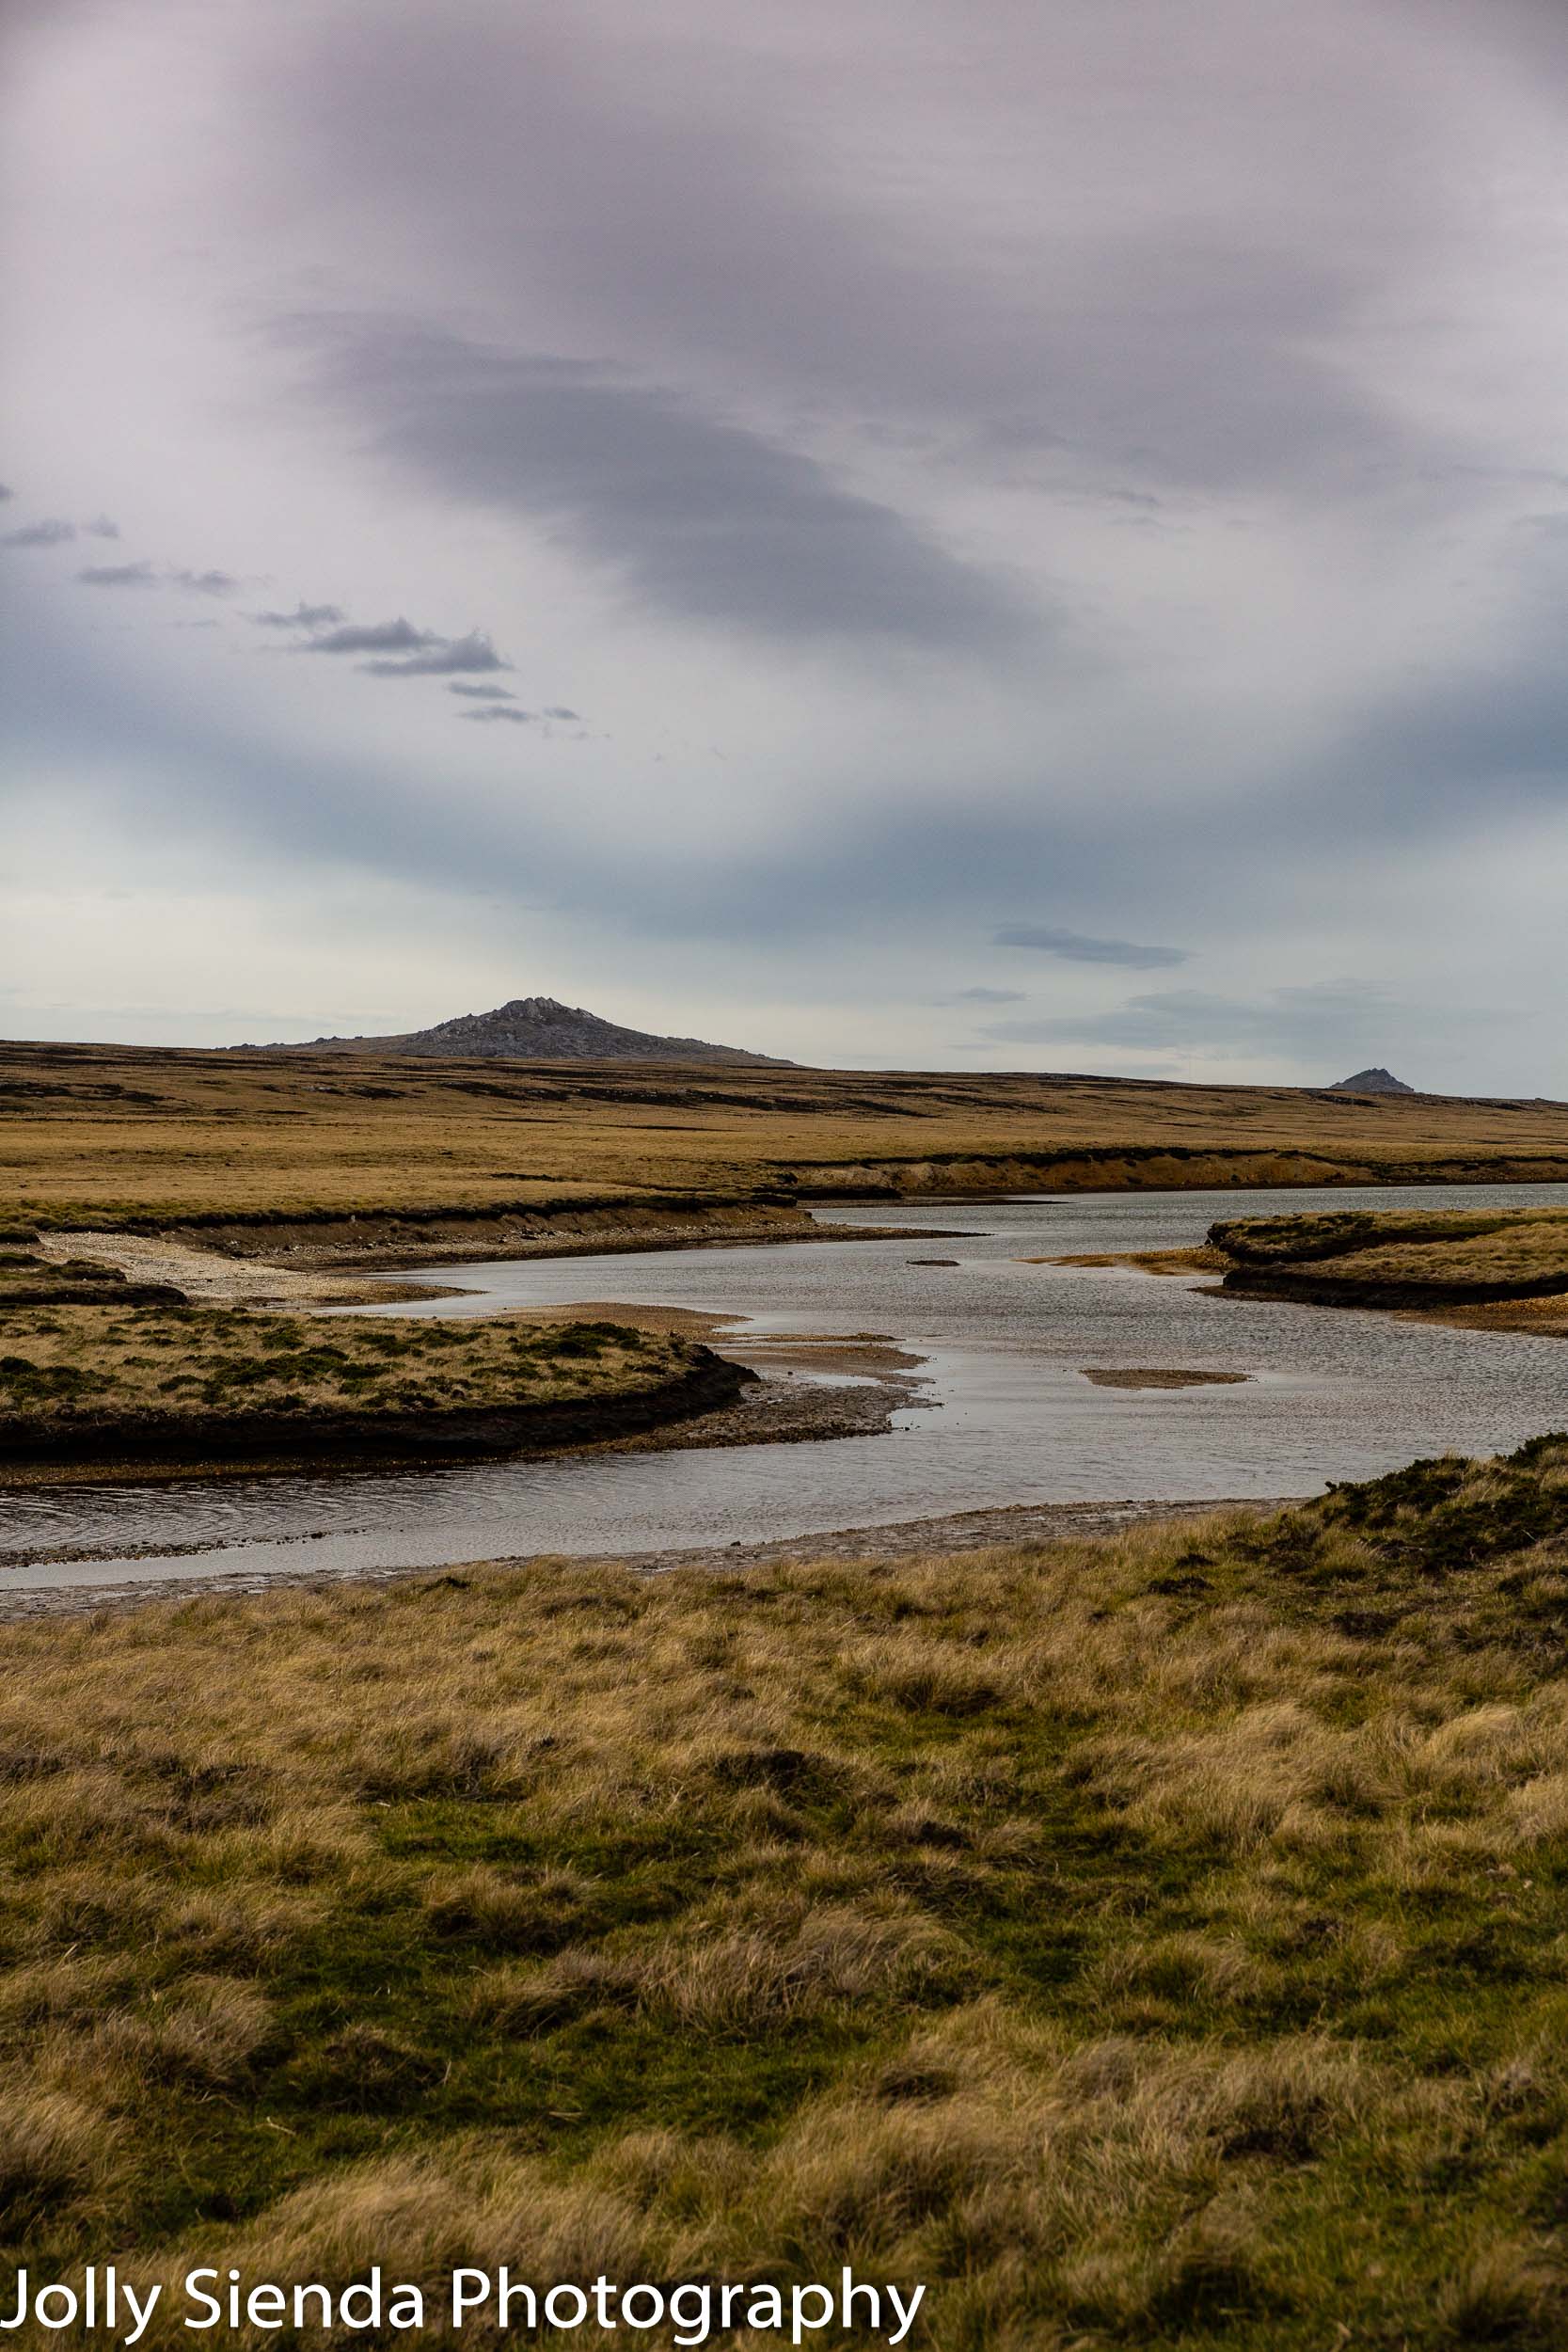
(887, 533)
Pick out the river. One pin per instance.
(1329, 1396)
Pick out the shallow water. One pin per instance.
(1330, 1394)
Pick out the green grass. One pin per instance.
(1154, 1943)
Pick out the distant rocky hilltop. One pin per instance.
(1370, 1082)
(536, 1028)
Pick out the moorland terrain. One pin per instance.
(300, 1152)
(1152, 1942)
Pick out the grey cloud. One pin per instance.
(6, 492)
(559, 710)
(118, 576)
(442, 656)
(50, 533)
(303, 616)
(483, 693)
(990, 996)
(1077, 948)
(102, 527)
(499, 710)
(704, 517)
(1185, 327)
(205, 584)
(399, 636)
(1332, 1017)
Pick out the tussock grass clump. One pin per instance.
(1155, 1942)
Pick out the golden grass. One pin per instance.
(119, 1368)
(1149, 1943)
(1400, 1257)
(96, 1134)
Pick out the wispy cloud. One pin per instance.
(140, 574)
(1328, 1019)
(1078, 947)
(440, 658)
(50, 533)
(306, 616)
(500, 711)
(483, 693)
(399, 636)
(205, 584)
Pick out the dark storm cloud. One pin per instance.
(499, 710)
(483, 693)
(1076, 947)
(307, 616)
(50, 533)
(443, 656)
(702, 517)
(399, 636)
(118, 576)
(205, 584)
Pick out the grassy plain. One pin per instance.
(1156, 1942)
(105, 1134)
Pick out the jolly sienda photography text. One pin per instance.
(102, 2301)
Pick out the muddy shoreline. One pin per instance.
(955, 1535)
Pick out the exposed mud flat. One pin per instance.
(1546, 1316)
(1167, 1261)
(159, 1268)
(1113, 1377)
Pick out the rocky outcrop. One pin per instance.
(1377, 1081)
(534, 1028)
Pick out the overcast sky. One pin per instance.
(883, 530)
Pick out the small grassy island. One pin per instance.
(154, 1384)
(1445, 1258)
(1156, 1941)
